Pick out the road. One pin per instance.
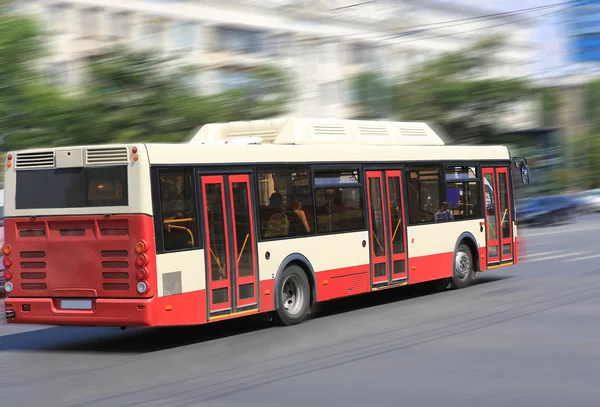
(525, 336)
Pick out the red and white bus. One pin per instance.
(249, 217)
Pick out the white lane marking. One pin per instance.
(538, 254)
(558, 256)
(593, 256)
(557, 232)
(526, 243)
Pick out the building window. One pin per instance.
(151, 35)
(178, 203)
(119, 25)
(243, 41)
(339, 201)
(463, 195)
(90, 21)
(184, 35)
(286, 203)
(56, 17)
(424, 194)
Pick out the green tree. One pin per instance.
(373, 96)
(131, 96)
(549, 105)
(449, 91)
(452, 92)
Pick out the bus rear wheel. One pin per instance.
(293, 293)
(464, 273)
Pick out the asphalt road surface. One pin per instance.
(524, 336)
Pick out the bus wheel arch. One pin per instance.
(296, 275)
(465, 262)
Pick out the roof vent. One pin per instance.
(366, 130)
(413, 132)
(39, 159)
(109, 155)
(329, 129)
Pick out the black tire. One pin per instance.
(463, 273)
(294, 304)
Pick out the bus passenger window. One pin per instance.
(463, 195)
(178, 203)
(424, 197)
(339, 210)
(286, 202)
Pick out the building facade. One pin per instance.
(583, 31)
(324, 44)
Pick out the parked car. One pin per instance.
(589, 201)
(547, 210)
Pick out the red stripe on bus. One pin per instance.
(342, 282)
(430, 267)
(105, 312)
(182, 309)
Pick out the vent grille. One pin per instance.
(373, 130)
(328, 130)
(107, 155)
(43, 159)
(413, 132)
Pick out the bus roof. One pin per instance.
(273, 154)
(321, 131)
(293, 140)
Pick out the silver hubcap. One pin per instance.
(292, 295)
(462, 264)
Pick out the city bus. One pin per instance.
(268, 216)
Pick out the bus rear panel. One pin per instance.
(79, 243)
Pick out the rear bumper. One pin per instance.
(105, 312)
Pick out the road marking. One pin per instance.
(525, 234)
(538, 254)
(558, 256)
(593, 256)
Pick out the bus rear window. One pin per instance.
(72, 188)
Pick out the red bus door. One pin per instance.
(229, 245)
(387, 229)
(498, 216)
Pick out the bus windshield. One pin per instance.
(72, 188)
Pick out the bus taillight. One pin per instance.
(7, 262)
(140, 247)
(141, 261)
(141, 274)
(8, 274)
(6, 249)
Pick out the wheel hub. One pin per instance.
(462, 264)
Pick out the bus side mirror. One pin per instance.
(521, 164)
(525, 175)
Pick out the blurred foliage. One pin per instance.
(591, 104)
(550, 104)
(129, 96)
(583, 164)
(374, 96)
(451, 92)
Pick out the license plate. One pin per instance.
(76, 304)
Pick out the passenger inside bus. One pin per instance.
(298, 222)
(278, 223)
(443, 214)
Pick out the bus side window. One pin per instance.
(286, 202)
(424, 198)
(178, 203)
